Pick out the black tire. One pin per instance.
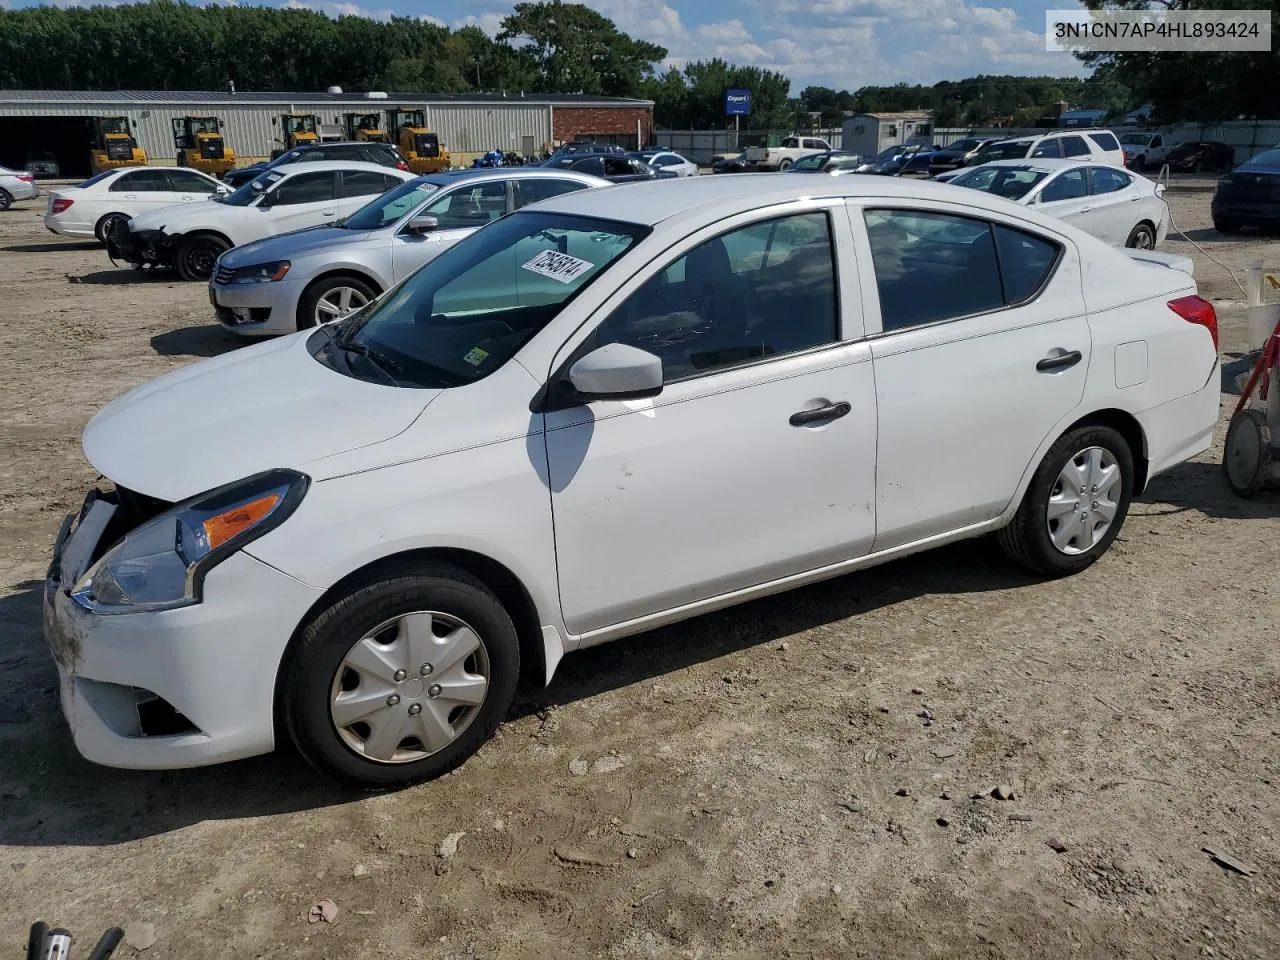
(1139, 164)
(785, 165)
(1223, 225)
(108, 225)
(1246, 455)
(1026, 540)
(312, 295)
(312, 666)
(6, 199)
(196, 256)
(1141, 237)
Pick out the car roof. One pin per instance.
(293, 169)
(651, 202)
(448, 178)
(339, 143)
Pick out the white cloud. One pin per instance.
(334, 9)
(490, 23)
(434, 21)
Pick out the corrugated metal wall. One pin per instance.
(463, 128)
(475, 128)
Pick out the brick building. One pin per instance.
(628, 123)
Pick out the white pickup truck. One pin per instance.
(780, 158)
(1145, 150)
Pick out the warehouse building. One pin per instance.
(468, 124)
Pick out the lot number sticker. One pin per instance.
(558, 266)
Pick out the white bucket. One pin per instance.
(1262, 323)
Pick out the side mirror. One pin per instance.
(268, 200)
(616, 371)
(421, 224)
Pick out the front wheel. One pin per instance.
(197, 255)
(401, 679)
(1075, 505)
(332, 299)
(1142, 237)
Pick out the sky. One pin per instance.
(843, 44)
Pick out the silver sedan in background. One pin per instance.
(309, 277)
(16, 185)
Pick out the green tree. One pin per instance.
(577, 49)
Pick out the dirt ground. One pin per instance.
(763, 782)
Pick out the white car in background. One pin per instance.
(669, 162)
(191, 237)
(1114, 204)
(16, 185)
(99, 206)
(1098, 145)
(298, 280)
(608, 411)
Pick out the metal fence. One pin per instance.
(1247, 137)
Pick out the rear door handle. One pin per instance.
(329, 213)
(1059, 361)
(832, 411)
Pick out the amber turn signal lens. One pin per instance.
(226, 525)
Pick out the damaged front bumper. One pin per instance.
(174, 688)
(142, 247)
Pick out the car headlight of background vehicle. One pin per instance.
(162, 564)
(261, 272)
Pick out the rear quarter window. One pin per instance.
(1105, 140)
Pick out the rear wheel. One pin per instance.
(197, 255)
(108, 225)
(1075, 505)
(785, 165)
(332, 299)
(6, 200)
(1142, 237)
(401, 679)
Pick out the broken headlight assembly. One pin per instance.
(161, 565)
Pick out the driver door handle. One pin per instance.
(329, 213)
(1059, 361)
(832, 411)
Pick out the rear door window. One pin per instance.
(532, 190)
(1068, 185)
(184, 181)
(1106, 180)
(305, 188)
(361, 183)
(1105, 140)
(142, 181)
(1074, 147)
(1048, 148)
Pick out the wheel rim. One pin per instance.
(200, 259)
(1144, 240)
(337, 303)
(1084, 500)
(4, 200)
(1244, 453)
(110, 226)
(409, 687)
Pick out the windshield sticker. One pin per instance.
(558, 266)
(475, 356)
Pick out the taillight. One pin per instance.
(1125, 157)
(60, 204)
(26, 178)
(1195, 309)
(401, 165)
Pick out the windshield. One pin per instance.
(1013, 183)
(1006, 150)
(390, 207)
(469, 310)
(964, 146)
(252, 190)
(1136, 139)
(889, 153)
(97, 177)
(1269, 158)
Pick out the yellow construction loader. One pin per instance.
(113, 145)
(200, 145)
(298, 129)
(364, 126)
(421, 147)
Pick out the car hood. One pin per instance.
(263, 406)
(175, 219)
(288, 245)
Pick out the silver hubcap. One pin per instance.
(384, 706)
(1084, 500)
(338, 302)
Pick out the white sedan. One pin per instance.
(612, 410)
(1113, 204)
(670, 162)
(191, 237)
(16, 185)
(102, 204)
